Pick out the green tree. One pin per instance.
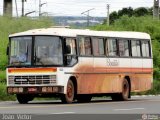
(126, 11)
(142, 11)
(113, 16)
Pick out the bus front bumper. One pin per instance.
(35, 90)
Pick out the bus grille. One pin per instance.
(32, 80)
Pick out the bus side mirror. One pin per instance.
(7, 51)
(68, 49)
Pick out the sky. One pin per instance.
(76, 7)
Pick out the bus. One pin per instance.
(76, 64)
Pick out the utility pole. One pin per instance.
(23, 8)
(39, 8)
(7, 7)
(156, 9)
(87, 15)
(40, 5)
(16, 7)
(108, 7)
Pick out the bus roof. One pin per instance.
(66, 32)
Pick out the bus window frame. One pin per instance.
(78, 36)
(150, 54)
(32, 48)
(106, 39)
(129, 48)
(149, 43)
(98, 37)
(64, 54)
(9, 55)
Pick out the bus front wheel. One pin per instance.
(24, 99)
(69, 96)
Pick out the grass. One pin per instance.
(3, 93)
(2, 76)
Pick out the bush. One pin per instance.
(3, 76)
(3, 94)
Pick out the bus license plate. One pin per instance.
(32, 89)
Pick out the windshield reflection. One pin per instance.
(48, 50)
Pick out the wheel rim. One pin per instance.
(70, 91)
(125, 89)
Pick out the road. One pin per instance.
(136, 105)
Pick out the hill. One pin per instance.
(77, 21)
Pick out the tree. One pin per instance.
(126, 11)
(142, 11)
(113, 17)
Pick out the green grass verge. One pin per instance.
(3, 93)
(156, 88)
(2, 76)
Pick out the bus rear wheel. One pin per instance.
(124, 95)
(24, 98)
(69, 96)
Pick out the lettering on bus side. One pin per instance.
(112, 62)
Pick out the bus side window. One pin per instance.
(85, 46)
(71, 42)
(111, 47)
(136, 51)
(145, 48)
(98, 46)
(124, 48)
(70, 50)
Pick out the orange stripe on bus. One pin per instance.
(31, 70)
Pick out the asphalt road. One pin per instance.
(136, 105)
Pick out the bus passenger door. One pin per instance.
(85, 65)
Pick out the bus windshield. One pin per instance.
(47, 50)
(20, 51)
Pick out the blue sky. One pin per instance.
(76, 7)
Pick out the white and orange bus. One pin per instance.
(78, 64)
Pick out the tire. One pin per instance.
(125, 90)
(24, 98)
(124, 95)
(69, 96)
(84, 98)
